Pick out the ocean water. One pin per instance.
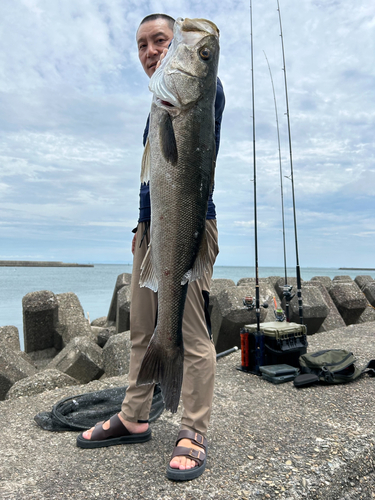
(94, 285)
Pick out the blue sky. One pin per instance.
(74, 100)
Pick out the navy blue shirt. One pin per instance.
(144, 196)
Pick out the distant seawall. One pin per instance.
(356, 269)
(31, 263)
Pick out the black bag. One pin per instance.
(330, 366)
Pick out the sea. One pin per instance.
(94, 285)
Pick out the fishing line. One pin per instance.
(298, 270)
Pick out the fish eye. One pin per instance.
(205, 53)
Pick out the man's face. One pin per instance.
(152, 38)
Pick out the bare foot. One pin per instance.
(184, 463)
(133, 428)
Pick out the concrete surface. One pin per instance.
(265, 441)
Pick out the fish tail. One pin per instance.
(162, 366)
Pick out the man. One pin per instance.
(188, 461)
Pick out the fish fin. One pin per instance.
(168, 139)
(146, 163)
(186, 277)
(148, 277)
(166, 367)
(200, 265)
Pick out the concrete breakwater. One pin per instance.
(63, 348)
(34, 263)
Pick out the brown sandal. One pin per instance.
(199, 456)
(116, 434)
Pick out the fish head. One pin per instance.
(189, 70)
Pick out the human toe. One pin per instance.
(182, 463)
(87, 434)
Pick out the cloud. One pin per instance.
(74, 101)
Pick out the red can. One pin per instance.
(244, 349)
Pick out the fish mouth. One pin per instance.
(198, 25)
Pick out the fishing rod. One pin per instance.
(287, 288)
(298, 270)
(259, 338)
(249, 302)
(257, 294)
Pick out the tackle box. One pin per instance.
(278, 374)
(276, 343)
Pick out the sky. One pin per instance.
(74, 100)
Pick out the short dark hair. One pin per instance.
(153, 17)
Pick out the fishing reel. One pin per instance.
(279, 313)
(249, 303)
(287, 292)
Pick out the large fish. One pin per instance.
(179, 161)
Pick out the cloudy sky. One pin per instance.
(74, 100)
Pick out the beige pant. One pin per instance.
(199, 351)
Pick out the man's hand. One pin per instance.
(133, 243)
(162, 55)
